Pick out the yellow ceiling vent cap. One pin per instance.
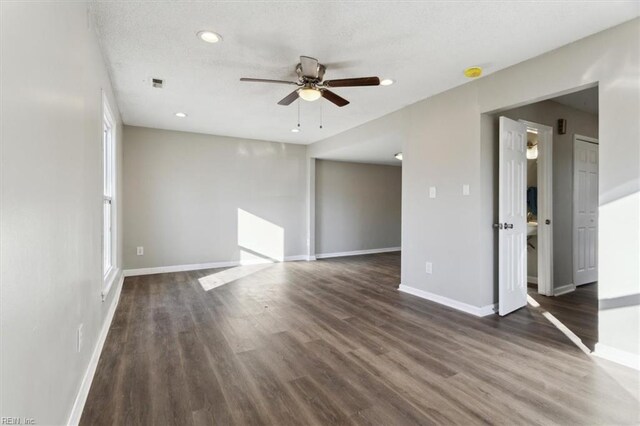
(473, 72)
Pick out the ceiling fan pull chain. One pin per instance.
(321, 115)
(298, 112)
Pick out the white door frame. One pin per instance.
(576, 138)
(545, 206)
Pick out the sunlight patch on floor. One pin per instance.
(559, 325)
(261, 244)
(627, 378)
(229, 275)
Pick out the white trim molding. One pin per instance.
(479, 311)
(568, 288)
(303, 257)
(545, 206)
(85, 386)
(210, 265)
(618, 356)
(357, 252)
(116, 276)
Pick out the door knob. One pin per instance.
(547, 222)
(508, 225)
(497, 225)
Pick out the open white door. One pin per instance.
(585, 210)
(512, 217)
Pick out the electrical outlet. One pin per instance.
(432, 192)
(465, 189)
(429, 268)
(79, 348)
(140, 251)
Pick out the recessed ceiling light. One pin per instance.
(387, 82)
(398, 156)
(294, 130)
(473, 72)
(209, 36)
(181, 114)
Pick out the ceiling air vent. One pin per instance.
(157, 83)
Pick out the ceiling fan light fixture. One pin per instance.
(309, 94)
(386, 82)
(181, 115)
(295, 130)
(398, 156)
(209, 36)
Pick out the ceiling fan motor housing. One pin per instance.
(306, 78)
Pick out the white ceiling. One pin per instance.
(423, 45)
(584, 100)
(379, 150)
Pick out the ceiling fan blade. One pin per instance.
(339, 65)
(332, 97)
(309, 66)
(288, 100)
(265, 80)
(353, 82)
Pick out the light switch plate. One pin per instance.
(432, 192)
(429, 268)
(140, 251)
(465, 189)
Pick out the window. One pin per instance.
(108, 193)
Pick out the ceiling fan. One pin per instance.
(311, 85)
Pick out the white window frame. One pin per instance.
(109, 197)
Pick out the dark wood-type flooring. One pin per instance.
(334, 342)
(577, 310)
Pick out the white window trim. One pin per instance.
(110, 275)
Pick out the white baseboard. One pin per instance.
(233, 263)
(300, 257)
(211, 265)
(85, 386)
(625, 358)
(564, 289)
(178, 268)
(356, 252)
(532, 280)
(479, 311)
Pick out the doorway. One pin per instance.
(567, 210)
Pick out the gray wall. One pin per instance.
(51, 204)
(446, 146)
(358, 206)
(578, 122)
(192, 198)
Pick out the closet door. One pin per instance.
(585, 211)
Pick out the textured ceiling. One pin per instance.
(423, 45)
(584, 100)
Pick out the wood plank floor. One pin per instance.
(577, 310)
(334, 342)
